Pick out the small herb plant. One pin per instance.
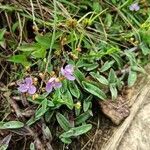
(76, 53)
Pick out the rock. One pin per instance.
(117, 110)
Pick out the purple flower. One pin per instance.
(53, 83)
(134, 7)
(26, 86)
(68, 72)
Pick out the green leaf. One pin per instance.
(63, 122)
(44, 40)
(132, 78)
(106, 66)
(90, 67)
(145, 49)
(118, 59)
(79, 76)
(41, 111)
(3, 147)
(145, 35)
(113, 91)
(99, 77)
(64, 88)
(20, 59)
(76, 131)
(108, 20)
(94, 90)
(77, 111)
(74, 89)
(50, 103)
(112, 78)
(2, 32)
(11, 125)
(138, 68)
(114, 1)
(67, 99)
(40, 53)
(29, 47)
(82, 118)
(131, 57)
(3, 44)
(48, 115)
(87, 103)
(15, 26)
(46, 132)
(4, 143)
(96, 7)
(66, 140)
(32, 147)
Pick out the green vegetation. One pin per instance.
(106, 43)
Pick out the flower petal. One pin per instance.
(69, 68)
(57, 85)
(134, 7)
(52, 79)
(49, 87)
(32, 89)
(131, 8)
(137, 8)
(28, 81)
(23, 88)
(70, 77)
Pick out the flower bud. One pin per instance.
(132, 39)
(43, 90)
(52, 73)
(35, 28)
(41, 75)
(44, 60)
(35, 96)
(35, 81)
(78, 105)
(136, 42)
(27, 68)
(57, 80)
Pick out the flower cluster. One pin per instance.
(27, 86)
(53, 82)
(134, 7)
(68, 72)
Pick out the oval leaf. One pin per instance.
(132, 78)
(11, 125)
(63, 122)
(74, 89)
(82, 118)
(99, 77)
(106, 66)
(74, 132)
(113, 91)
(94, 90)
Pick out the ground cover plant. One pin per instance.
(58, 57)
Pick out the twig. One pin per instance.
(52, 41)
(33, 16)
